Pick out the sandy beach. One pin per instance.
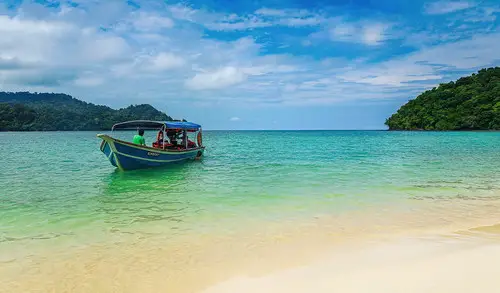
(443, 247)
(408, 265)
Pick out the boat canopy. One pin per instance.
(147, 124)
(182, 125)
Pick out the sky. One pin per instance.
(261, 64)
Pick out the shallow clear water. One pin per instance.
(58, 188)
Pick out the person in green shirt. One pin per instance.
(139, 138)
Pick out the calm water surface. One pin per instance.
(58, 188)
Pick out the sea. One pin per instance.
(64, 207)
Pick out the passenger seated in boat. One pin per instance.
(159, 140)
(173, 140)
(184, 137)
(171, 134)
(191, 144)
(139, 138)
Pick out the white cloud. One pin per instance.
(478, 51)
(95, 47)
(150, 22)
(429, 64)
(164, 61)
(261, 18)
(444, 7)
(306, 43)
(368, 33)
(219, 78)
(182, 12)
(270, 12)
(234, 119)
(284, 13)
(290, 87)
(88, 81)
(241, 24)
(374, 34)
(342, 30)
(32, 27)
(55, 43)
(479, 14)
(425, 39)
(297, 21)
(29, 40)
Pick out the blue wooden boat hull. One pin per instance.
(128, 156)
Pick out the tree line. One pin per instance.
(25, 111)
(470, 103)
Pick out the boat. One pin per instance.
(126, 155)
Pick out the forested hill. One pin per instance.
(470, 103)
(24, 111)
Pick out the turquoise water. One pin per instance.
(58, 188)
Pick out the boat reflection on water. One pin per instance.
(149, 202)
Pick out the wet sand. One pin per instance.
(432, 247)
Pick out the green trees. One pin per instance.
(470, 103)
(26, 111)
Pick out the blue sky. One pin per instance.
(263, 64)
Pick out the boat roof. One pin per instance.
(148, 124)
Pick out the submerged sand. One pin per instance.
(448, 246)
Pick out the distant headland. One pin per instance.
(470, 103)
(25, 111)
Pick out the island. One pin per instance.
(25, 111)
(470, 103)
